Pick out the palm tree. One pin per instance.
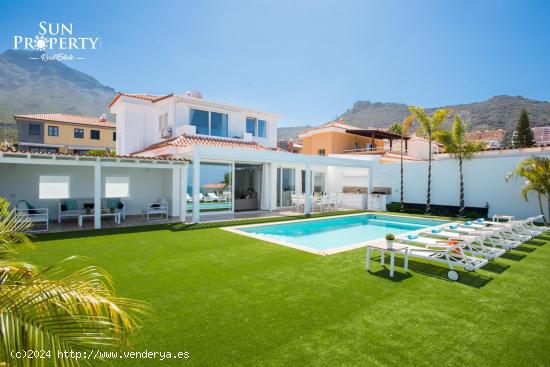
(50, 310)
(459, 148)
(403, 130)
(536, 171)
(428, 126)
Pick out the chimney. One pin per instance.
(103, 118)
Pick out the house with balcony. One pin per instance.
(339, 138)
(234, 162)
(64, 133)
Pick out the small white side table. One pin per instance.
(383, 248)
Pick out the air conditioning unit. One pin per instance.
(166, 132)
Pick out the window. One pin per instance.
(117, 187)
(251, 126)
(262, 128)
(94, 134)
(357, 146)
(34, 129)
(210, 123)
(218, 124)
(53, 131)
(163, 124)
(199, 119)
(79, 133)
(114, 135)
(53, 187)
(321, 152)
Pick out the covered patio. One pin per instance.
(51, 182)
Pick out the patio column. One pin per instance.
(196, 187)
(97, 195)
(183, 191)
(176, 194)
(307, 209)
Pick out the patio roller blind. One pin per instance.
(117, 187)
(53, 187)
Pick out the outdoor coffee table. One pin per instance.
(103, 214)
(383, 248)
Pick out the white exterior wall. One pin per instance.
(137, 121)
(20, 182)
(483, 183)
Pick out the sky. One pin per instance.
(306, 60)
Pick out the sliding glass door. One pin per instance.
(286, 186)
(216, 187)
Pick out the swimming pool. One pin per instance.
(330, 235)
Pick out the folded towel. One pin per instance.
(468, 223)
(436, 230)
(480, 220)
(412, 236)
(453, 226)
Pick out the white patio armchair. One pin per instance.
(34, 215)
(156, 212)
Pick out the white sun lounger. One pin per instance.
(453, 256)
(474, 247)
(512, 231)
(526, 226)
(493, 237)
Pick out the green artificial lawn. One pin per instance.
(234, 300)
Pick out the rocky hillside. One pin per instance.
(35, 86)
(499, 112)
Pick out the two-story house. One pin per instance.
(235, 162)
(64, 133)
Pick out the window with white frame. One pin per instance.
(262, 128)
(209, 123)
(163, 124)
(117, 187)
(53, 187)
(251, 125)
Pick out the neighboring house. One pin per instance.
(291, 146)
(336, 137)
(542, 135)
(59, 132)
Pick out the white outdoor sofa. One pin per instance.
(36, 216)
(80, 207)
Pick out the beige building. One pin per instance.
(64, 133)
(338, 138)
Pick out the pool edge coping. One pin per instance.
(354, 246)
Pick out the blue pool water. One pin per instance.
(333, 233)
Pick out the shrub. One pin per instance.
(394, 207)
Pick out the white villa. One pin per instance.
(181, 153)
(184, 158)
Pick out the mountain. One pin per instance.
(285, 133)
(499, 112)
(35, 86)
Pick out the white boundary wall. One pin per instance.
(483, 181)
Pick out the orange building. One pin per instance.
(338, 138)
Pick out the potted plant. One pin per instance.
(389, 240)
